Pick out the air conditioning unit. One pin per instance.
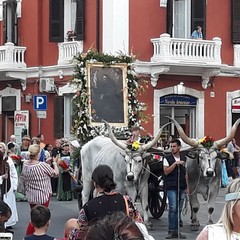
(46, 85)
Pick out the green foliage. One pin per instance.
(81, 119)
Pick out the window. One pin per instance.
(10, 22)
(66, 15)
(184, 15)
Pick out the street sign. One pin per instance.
(41, 114)
(40, 102)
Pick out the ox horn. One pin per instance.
(113, 138)
(190, 141)
(154, 141)
(219, 143)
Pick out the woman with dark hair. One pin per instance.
(114, 227)
(106, 202)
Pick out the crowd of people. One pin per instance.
(34, 172)
(39, 171)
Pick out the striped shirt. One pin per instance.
(37, 181)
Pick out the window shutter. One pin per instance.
(10, 22)
(199, 15)
(58, 117)
(236, 21)
(56, 21)
(80, 20)
(170, 17)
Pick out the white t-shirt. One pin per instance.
(165, 162)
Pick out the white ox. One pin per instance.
(129, 167)
(204, 171)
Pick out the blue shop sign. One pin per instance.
(178, 100)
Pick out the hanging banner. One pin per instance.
(21, 124)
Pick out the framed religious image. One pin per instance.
(108, 94)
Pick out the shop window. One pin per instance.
(66, 15)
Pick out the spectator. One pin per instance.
(229, 161)
(44, 156)
(10, 186)
(71, 224)
(235, 159)
(40, 219)
(115, 226)
(197, 33)
(176, 185)
(5, 214)
(41, 139)
(56, 153)
(106, 202)
(64, 178)
(37, 192)
(228, 226)
(13, 140)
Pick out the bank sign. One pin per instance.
(184, 100)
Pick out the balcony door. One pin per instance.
(183, 16)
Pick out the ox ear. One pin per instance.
(192, 154)
(223, 155)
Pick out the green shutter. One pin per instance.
(169, 17)
(199, 15)
(56, 21)
(80, 19)
(236, 21)
(58, 117)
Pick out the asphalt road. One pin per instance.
(62, 211)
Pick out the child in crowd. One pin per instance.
(40, 219)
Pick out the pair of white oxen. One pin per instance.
(130, 174)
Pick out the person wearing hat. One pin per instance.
(64, 179)
(17, 147)
(26, 141)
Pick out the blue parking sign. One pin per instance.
(40, 102)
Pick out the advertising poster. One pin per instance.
(21, 124)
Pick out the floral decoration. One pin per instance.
(16, 159)
(81, 118)
(134, 146)
(207, 141)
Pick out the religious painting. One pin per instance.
(108, 94)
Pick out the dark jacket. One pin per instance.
(171, 180)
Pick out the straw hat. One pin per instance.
(26, 137)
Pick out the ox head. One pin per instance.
(206, 157)
(135, 159)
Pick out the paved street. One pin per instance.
(62, 211)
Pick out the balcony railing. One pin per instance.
(169, 50)
(12, 56)
(67, 51)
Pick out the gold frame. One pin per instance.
(111, 93)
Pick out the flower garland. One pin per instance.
(81, 118)
(207, 141)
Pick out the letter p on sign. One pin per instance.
(40, 102)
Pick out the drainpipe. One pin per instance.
(97, 25)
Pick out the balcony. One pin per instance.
(178, 56)
(67, 51)
(12, 57)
